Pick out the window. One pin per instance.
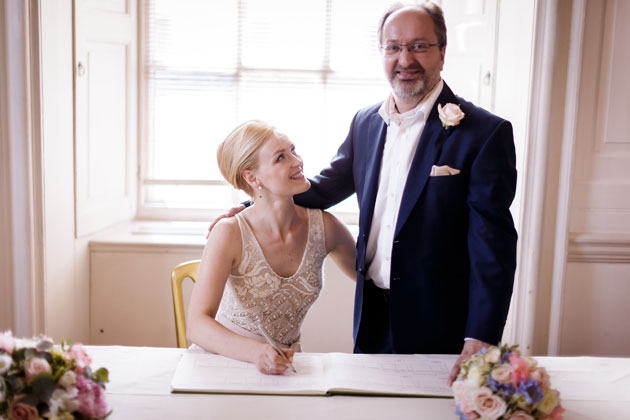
(305, 67)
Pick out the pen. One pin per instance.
(276, 348)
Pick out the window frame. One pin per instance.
(146, 211)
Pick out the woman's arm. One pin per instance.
(340, 244)
(221, 253)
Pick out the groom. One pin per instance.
(437, 244)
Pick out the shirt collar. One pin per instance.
(389, 113)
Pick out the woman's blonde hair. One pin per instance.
(238, 152)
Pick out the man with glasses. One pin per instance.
(434, 176)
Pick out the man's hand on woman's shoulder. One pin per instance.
(230, 213)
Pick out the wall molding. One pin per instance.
(529, 285)
(22, 188)
(6, 245)
(591, 247)
(563, 210)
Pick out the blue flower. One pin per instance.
(483, 350)
(505, 357)
(531, 391)
(496, 386)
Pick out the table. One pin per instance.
(140, 377)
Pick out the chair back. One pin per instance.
(188, 269)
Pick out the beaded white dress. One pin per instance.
(256, 297)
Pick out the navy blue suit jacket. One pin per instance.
(454, 251)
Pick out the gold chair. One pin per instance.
(188, 269)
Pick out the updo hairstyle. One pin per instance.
(238, 152)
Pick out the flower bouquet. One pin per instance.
(39, 379)
(500, 384)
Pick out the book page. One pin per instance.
(383, 374)
(199, 371)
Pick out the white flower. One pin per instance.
(475, 376)
(492, 355)
(450, 115)
(5, 363)
(62, 400)
(68, 379)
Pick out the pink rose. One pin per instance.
(487, 404)
(21, 411)
(91, 398)
(520, 415)
(450, 115)
(35, 366)
(520, 368)
(541, 376)
(80, 357)
(502, 374)
(462, 392)
(7, 342)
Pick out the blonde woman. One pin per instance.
(262, 270)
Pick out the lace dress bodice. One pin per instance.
(256, 297)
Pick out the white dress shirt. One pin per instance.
(403, 135)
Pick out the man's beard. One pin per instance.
(417, 89)
(404, 90)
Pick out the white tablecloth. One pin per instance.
(140, 377)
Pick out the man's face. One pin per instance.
(411, 74)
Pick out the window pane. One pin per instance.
(193, 34)
(188, 125)
(285, 34)
(354, 25)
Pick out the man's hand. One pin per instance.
(470, 347)
(230, 213)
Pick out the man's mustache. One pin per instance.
(415, 68)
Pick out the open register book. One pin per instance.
(318, 374)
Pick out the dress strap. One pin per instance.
(317, 232)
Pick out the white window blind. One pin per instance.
(304, 66)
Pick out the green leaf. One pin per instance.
(43, 386)
(44, 345)
(19, 355)
(102, 375)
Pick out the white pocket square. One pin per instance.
(443, 171)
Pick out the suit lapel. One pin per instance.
(377, 131)
(431, 141)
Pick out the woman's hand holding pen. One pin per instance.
(269, 362)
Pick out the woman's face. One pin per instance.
(280, 167)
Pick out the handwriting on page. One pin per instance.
(228, 372)
(413, 374)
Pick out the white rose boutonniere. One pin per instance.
(450, 115)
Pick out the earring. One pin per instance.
(259, 191)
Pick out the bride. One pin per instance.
(262, 270)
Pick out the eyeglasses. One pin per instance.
(391, 50)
